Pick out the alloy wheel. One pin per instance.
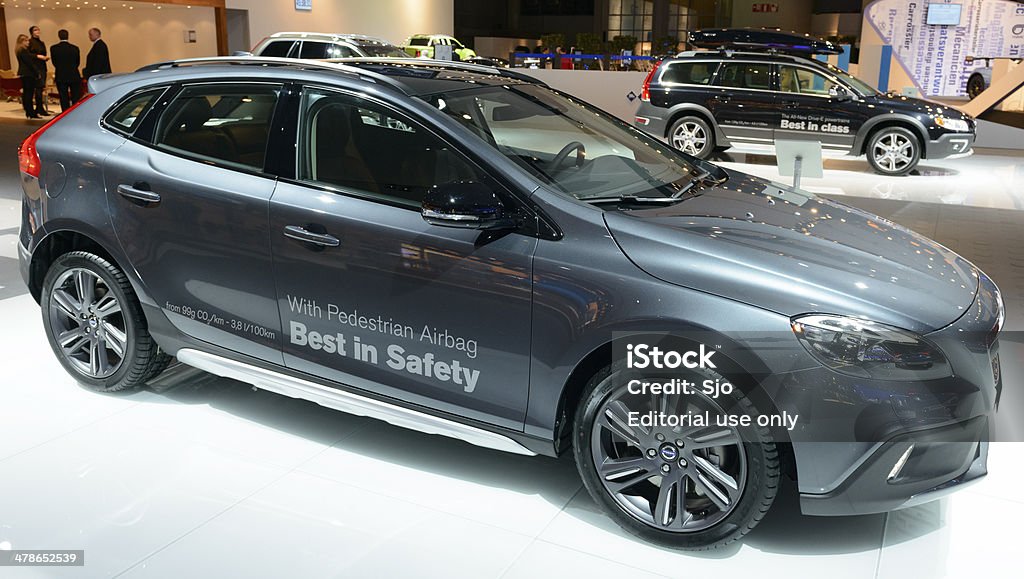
(88, 323)
(682, 479)
(894, 152)
(689, 137)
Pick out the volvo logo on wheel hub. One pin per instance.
(668, 452)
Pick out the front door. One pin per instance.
(370, 295)
(812, 109)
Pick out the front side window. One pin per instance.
(745, 75)
(359, 146)
(219, 123)
(800, 80)
(314, 50)
(574, 148)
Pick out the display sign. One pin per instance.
(935, 56)
(944, 14)
(304, 5)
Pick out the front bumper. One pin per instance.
(951, 145)
(909, 470)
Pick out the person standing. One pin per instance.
(37, 47)
(66, 59)
(28, 71)
(98, 59)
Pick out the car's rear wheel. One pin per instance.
(687, 486)
(95, 325)
(894, 151)
(692, 135)
(975, 85)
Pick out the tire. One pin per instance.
(975, 85)
(102, 340)
(629, 484)
(893, 151)
(692, 135)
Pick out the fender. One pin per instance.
(917, 126)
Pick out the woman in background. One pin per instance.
(29, 73)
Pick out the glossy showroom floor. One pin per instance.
(201, 476)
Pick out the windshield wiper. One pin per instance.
(631, 199)
(700, 179)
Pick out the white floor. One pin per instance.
(201, 476)
(989, 178)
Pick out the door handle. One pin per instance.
(302, 234)
(130, 192)
(723, 98)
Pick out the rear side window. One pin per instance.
(745, 75)
(223, 124)
(126, 116)
(279, 48)
(689, 72)
(418, 42)
(314, 50)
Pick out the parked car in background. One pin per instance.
(422, 45)
(319, 46)
(704, 100)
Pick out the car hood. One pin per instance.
(902, 103)
(791, 252)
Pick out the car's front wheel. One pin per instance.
(95, 325)
(686, 486)
(692, 135)
(894, 151)
(975, 85)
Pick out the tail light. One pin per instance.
(645, 91)
(28, 156)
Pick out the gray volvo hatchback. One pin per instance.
(465, 251)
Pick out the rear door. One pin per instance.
(743, 102)
(189, 201)
(810, 109)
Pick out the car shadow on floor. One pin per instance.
(784, 529)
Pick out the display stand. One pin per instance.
(799, 159)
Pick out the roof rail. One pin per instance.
(441, 65)
(326, 65)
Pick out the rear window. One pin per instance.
(689, 72)
(226, 124)
(126, 116)
(756, 75)
(279, 48)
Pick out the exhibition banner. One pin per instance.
(934, 55)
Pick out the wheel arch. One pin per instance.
(689, 109)
(874, 125)
(739, 373)
(66, 240)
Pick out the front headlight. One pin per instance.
(958, 125)
(868, 349)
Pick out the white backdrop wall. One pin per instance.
(135, 37)
(392, 20)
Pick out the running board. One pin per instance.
(347, 401)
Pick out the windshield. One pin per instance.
(568, 145)
(382, 50)
(862, 87)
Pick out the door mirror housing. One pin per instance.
(840, 93)
(466, 205)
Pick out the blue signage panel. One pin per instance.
(303, 4)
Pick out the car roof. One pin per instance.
(359, 38)
(410, 76)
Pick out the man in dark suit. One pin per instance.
(98, 59)
(66, 58)
(37, 48)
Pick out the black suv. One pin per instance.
(701, 101)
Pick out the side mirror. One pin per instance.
(839, 93)
(466, 205)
